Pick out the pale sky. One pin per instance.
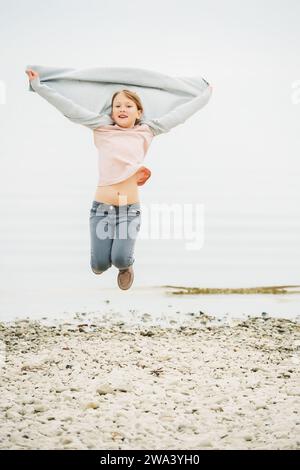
(239, 156)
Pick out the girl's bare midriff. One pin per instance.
(119, 194)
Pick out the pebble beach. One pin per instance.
(94, 383)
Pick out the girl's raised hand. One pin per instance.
(31, 74)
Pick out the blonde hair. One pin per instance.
(134, 97)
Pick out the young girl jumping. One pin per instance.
(122, 138)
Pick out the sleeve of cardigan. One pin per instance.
(181, 113)
(69, 109)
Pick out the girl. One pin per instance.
(122, 139)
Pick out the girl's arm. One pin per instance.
(68, 108)
(181, 113)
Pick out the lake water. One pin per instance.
(45, 262)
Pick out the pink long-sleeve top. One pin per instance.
(121, 152)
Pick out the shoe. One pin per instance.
(125, 278)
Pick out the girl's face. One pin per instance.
(123, 106)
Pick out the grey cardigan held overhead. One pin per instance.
(84, 95)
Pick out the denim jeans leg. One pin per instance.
(100, 259)
(128, 225)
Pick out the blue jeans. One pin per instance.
(113, 232)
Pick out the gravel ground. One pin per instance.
(89, 385)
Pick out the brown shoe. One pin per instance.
(125, 278)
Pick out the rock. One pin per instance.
(10, 414)
(247, 437)
(91, 405)
(205, 442)
(40, 408)
(293, 391)
(66, 440)
(104, 388)
(164, 357)
(260, 405)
